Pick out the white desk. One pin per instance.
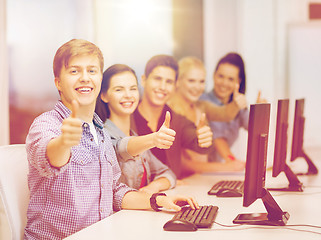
(304, 208)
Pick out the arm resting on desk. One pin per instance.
(141, 200)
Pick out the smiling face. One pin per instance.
(191, 84)
(80, 80)
(226, 77)
(122, 95)
(159, 85)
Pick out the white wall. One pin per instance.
(220, 33)
(31, 32)
(258, 30)
(4, 79)
(304, 71)
(131, 32)
(4, 104)
(36, 29)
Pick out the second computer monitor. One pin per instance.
(254, 182)
(280, 149)
(281, 137)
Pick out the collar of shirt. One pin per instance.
(142, 127)
(212, 96)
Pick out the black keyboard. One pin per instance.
(229, 184)
(202, 217)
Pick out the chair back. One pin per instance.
(14, 191)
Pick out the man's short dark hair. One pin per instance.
(161, 60)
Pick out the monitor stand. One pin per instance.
(294, 183)
(312, 169)
(274, 216)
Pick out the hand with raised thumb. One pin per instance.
(202, 121)
(239, 98)
(165, 136)
(259, 99)
(71, 129)
(74, 108)
(204, 133)
(167, 119)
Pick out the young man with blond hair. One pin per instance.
(73, 170)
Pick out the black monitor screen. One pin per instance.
(298, 128)
(280, 149)
(255, 168)
(281, 133)
(254, 182)
(297, 138)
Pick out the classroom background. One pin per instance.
(279, 41)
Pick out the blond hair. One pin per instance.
(187, 63)
(72, 48)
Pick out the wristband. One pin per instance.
(153, 202)
(231, 157)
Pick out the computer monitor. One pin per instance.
(255, 170)
(297, 138)
(280, 149)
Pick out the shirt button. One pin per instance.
(85, 125)
(101, 210)
(102, 185)
(91, 139)
(102, 140)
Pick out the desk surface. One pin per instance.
(304, 208)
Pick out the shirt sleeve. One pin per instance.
(229, 130)
(119, 189)
(218, 129)
(244, 118)
(120, 146)
(187, 129)
(41, 132)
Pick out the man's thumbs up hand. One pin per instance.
(165, 136)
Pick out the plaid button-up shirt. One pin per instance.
(87, 189)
